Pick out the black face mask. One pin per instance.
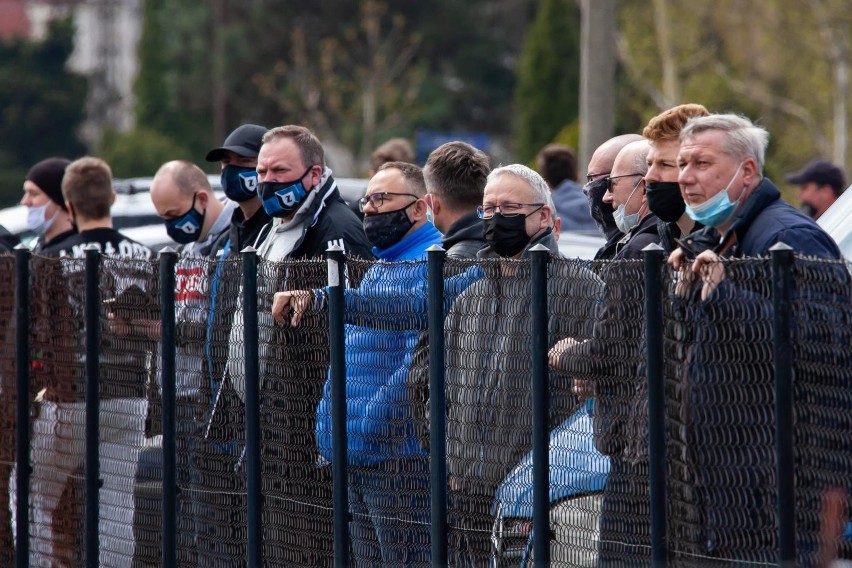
(601, 212)
(808, 209)
(507, 236)
(384, 230)
(664, 200)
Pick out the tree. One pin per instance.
(41, 105)
(783, 64)
(356, 72)
(547, 93)
(174, 85)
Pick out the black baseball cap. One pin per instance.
(821, 172)
(245, 141)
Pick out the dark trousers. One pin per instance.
(390, 510)
(626, 516)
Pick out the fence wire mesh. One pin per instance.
(720, 415)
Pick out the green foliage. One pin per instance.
(139, 152)
(547, 93)
(174, 85)
(41, 105)
(355, 72)
(772, 62)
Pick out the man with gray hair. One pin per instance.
(729, 456)
(721, 177)
(488, 352)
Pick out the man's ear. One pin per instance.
(749, 171)
(547, 217)
(436, 204)
(418, 212)
(315, 176)
(202, 198)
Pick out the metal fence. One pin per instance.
(422, 413)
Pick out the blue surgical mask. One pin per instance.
(716, 210)
(281, 199)
(626, 222)
(186, 228)
(239, 183)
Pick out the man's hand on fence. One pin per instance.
(685, 277)
(711, 271)
(557, 350)
(297, 300)
(582, 388)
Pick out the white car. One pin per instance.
(837, 222)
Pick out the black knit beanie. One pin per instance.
(47, 175)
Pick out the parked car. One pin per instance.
(580, 244)
(578, 474)
(837, 222)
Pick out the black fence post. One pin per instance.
(540, 256)
(93, 468)
(653, 258)
(340, 495)
(22, 370)
(782, 303)
(252, 381)
(168, 259)
(437, 406)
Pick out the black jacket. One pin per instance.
(465, 237)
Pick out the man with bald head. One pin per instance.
(196, 219)
(184, 199)
(599, 169)
(609, 366)
(625, 193)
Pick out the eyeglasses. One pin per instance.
(506, 209)
(378, 199)
(610, 178)
(592, 177)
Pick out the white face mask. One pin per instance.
(37, 220)
(626, 222)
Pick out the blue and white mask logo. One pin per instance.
(239, 183)
(281, 199)
(186, 228)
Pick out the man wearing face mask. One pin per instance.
(626, 195)
(488, 350)
(721, 179)
(661, 188)
(721, 162)
(46, 212)
(299, 192)
(389, 470)
(194, 218)
(600, 166)
(609, 366)
(238, 159)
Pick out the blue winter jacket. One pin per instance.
(384, 317)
